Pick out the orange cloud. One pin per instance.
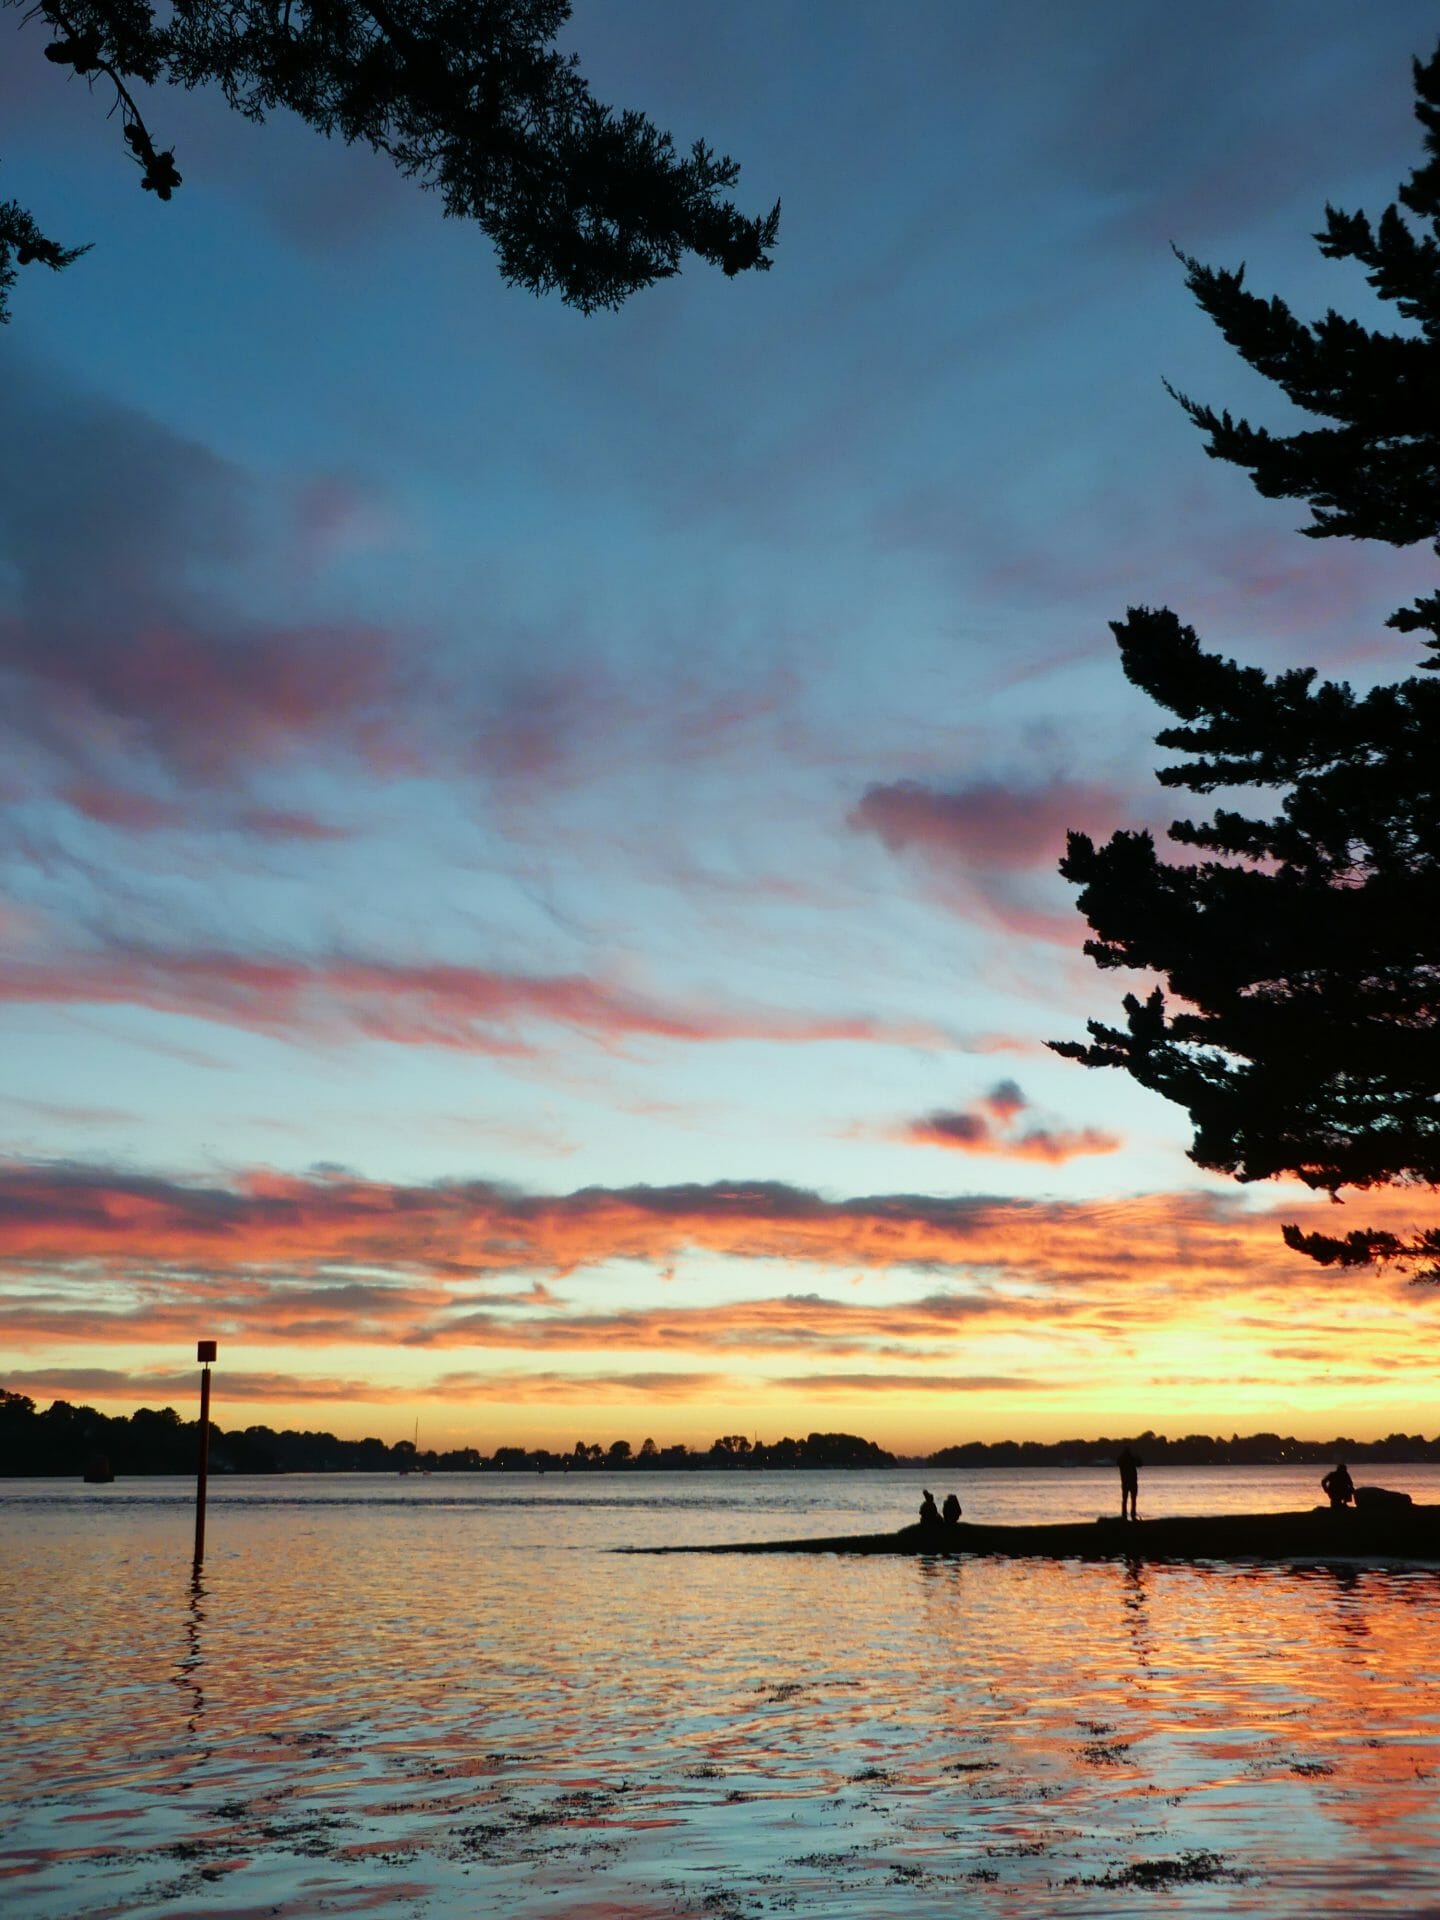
(64, 1212)
(1188, 1300)
(89, 1254)
(580, 1387)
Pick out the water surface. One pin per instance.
(440, 1695)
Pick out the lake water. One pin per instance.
(441, 1696)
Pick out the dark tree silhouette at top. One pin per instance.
(1302, 949)
(467, 96)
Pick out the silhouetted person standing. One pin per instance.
(1129, 1465)
(950, 1512)
(929, 1512)
(1339, 1486)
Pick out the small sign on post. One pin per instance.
(204, 1353)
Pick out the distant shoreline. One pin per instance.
(68, 1440)
(700, 1464)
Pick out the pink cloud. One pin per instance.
(988, 824)
(206, 704)
(335, 516)
(286, 823)
(131, 811)
(970, 1135)
(70, 1115)
(472, 1009)
(989, 849)
(990, 1127)
(120, 807)
(130, 636)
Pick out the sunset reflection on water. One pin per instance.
(447, 1701)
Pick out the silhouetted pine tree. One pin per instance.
(1304, 947)
(467, 96)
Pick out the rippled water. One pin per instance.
(434, 1696)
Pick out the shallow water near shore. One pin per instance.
(439, 1695)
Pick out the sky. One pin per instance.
(528, 905)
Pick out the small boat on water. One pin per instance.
(412, 1465)
(98, 1471)
(1400, 1532)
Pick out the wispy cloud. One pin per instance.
(68, 1113)
(471, 1009)
(794, 1323)
(580, 1387)
(248, 1387)
(839, 1384)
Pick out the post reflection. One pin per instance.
(188, 1668)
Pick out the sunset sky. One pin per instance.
(527, 881)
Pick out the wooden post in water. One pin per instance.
(204, 1353)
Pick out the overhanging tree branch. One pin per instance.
(469, 97)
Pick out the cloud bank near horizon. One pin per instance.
(1038, 1296)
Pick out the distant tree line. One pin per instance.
(67, 1439)
(1193, 1450)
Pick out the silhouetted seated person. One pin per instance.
(950, 1512)
(929, 1512)
(1338, 1487)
